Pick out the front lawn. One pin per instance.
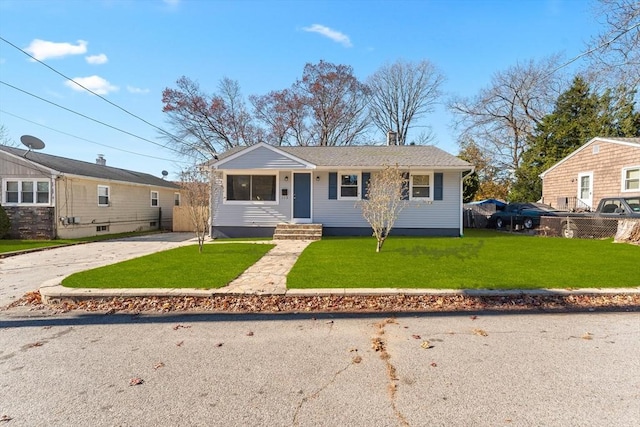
(483, 259)
(183, 267)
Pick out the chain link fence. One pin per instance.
(578, 227)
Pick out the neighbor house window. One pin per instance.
(631, 179)
(103, 195)
(259, 188)
(26, 192)
(176, 199)
(349, 188)
(154, 198)
(421, 186)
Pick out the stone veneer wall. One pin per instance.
(31, 222)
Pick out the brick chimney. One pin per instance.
(392, 138)
(101, 160)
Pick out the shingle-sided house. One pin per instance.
(49, 196)
(602, 167)
(264, 186)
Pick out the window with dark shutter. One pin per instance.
(366, 176)
(333, 185)
(438, 186)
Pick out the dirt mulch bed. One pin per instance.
(335, 303)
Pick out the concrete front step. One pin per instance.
(298, 232)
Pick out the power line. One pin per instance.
(89, 141)
(164, 132)
(87, 117)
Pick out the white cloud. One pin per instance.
(94, 83)
(42, 49)
(334, 35)
(97, 59)
(132, 89)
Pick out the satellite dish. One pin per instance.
(32, 142)
(164, 174)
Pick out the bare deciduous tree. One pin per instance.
(196, 191)
(615, 53)
(5, 139)
(501, 117)
(403, 92)
(207, 124)
(383, 202)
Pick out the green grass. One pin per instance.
(483, 259)
(183, 267)
(9, 245)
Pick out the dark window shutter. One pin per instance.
(437, 186)
(366, 176)
(333, 185)
(405, 186)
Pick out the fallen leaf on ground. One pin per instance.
(473, 317)
(426, 344)
(219, 344)
(35, 344)
(434, 364)
(249, 334)
(587, 336)
(417, 337)
(480, 332)
(357, 359)
(5, 418)
(180, 343)
(175, 328)
(136, 381)
(158, 365)
(377, 344)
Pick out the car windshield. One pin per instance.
(634, 203)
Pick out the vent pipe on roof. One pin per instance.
(392, 138)
(101, 160)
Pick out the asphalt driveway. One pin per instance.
(24, 273)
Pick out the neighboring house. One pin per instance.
(263, 186)
(602, 167)
(48, 196)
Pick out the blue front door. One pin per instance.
(302, 196)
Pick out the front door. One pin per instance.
(301, 197)
(585, 190)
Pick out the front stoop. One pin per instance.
(298, 232)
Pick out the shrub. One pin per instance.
(5, 223)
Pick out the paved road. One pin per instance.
(25, 273)
(75, 369)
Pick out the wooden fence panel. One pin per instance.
(182, 220)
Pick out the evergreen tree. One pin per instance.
(579, 115)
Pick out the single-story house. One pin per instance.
(263, 186)
(602, 167)
(48, 196)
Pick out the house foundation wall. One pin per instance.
(31, 222)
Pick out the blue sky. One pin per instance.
(130, 50)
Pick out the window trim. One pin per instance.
(624, 180)
(251, 174)
(34, 192)
(431, 186)
(104, 205)
(177, 198)
(157, 199)
(358, 185)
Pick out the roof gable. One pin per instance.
(631, 142)
(86, 169)
(261, 156)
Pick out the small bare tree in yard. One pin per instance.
(383, 202)
(195, 193)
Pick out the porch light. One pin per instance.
(317, 178)
(286, 177)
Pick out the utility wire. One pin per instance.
(89, 141)
(87, 117)
(164, 132)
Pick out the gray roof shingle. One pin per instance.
(370, 155)
(78, 167)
